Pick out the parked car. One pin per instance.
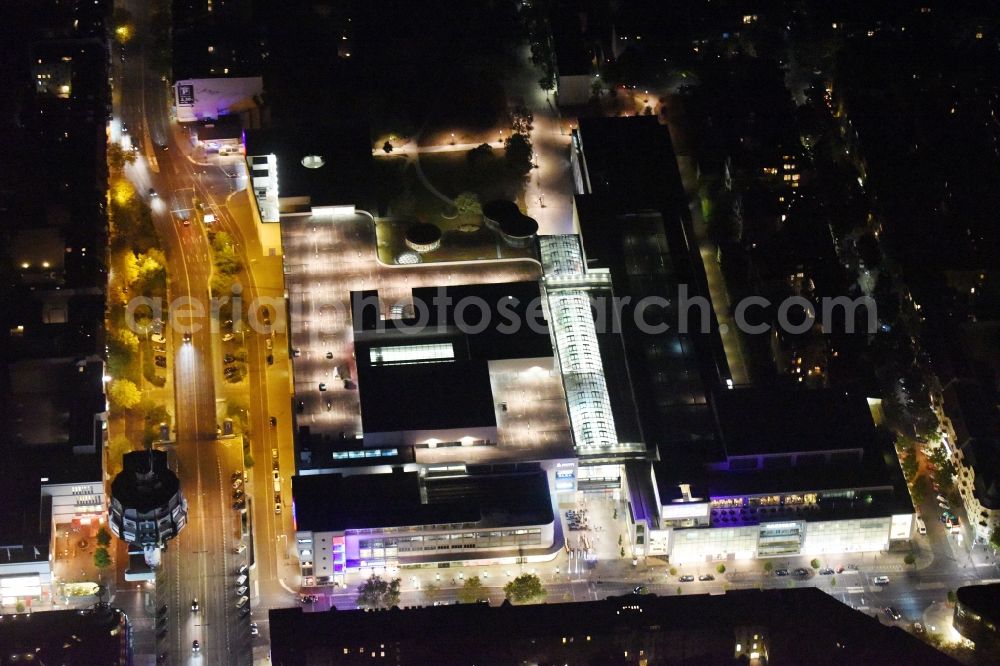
(322, 386)
(237, 494)
(781, 572)
(242, 601)
(244, 612)
(640, 589)
(880, 580)
(240, 591)
(254, 631)
(801, 572)
(237, 480)
(892, 613)
(825, 572)
(160, 361)
(228, 358)
(706, 577)
(227, 337)
(686, 579)
(239, 505)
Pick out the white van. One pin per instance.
(921, 527)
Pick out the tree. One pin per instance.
(814, 563)
(919, 489)
(768, 567)
(102, 559)
(123, 394)
(951, 596)
(467, 203)
(103, 537)
(673, 571)
(833, 581)
(995, 537)
(524, 589)
(431, 592)
(909, 559)
(19, 606)
(378, 594)
(480, 154)
(721, 569)
(518, 154)
(521, 119)
(472, 591)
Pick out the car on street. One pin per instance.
(880, 580)
(254, 631)
(241, 548)
(296, 352)
(195, 606)
(686, 579)
(781, 572)
(269, 343)
(186, 222)
(187, 337)
(277, 507)
(195, 646)
(892, 613)
(706, 577)
(826, 571)
(945, 506)
(322, 386)
(801, 572)
(227, 337)
(273, 421)
(152, 192)
(942, 498)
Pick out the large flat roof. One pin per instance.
(425, 396)
(345, 152)
(333, 503)
(762, 421)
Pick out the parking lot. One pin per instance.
(328, 258)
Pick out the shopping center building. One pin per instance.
(410, 438)
(476, 516)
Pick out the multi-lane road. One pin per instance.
(203, 561)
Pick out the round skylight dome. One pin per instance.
(312, 161)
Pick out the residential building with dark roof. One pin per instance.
(789, 626)
(972, 427)
(977, 618)
(97, 635)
